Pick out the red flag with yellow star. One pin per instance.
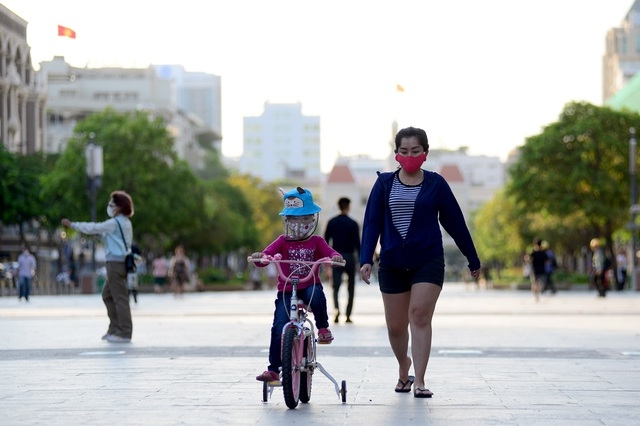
(66, 32)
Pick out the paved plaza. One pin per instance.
(498, 358)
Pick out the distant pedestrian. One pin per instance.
(159, 269)
(256, 278)
(179, 271)
(550, 268)
(598, 267)
(272, 275)
(26, 272)
(343, 234)
(621, 268)
(538, 268)
(114, 292)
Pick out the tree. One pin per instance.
(497, 232)
(138, 158)
(578, 167)
(265, 201)
(21, 202)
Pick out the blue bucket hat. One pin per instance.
(299, 202)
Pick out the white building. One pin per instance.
(474, 179)
(282, 143)
(74, 93)
(197, 93)
(621, 60)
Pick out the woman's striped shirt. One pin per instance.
(401, 202)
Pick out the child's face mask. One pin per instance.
(297, 228)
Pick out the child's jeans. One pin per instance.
(318, 306)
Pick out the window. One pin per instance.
(622, 44)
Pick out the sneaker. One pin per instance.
(324, 336)
(268, 376)
(105, 336)
(117, 339)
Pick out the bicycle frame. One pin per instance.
(298, 348)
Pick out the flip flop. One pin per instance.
(402, 385)
(422, 393)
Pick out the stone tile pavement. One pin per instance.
(498, 358)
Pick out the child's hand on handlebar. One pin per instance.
(337, 258)
(257, 255)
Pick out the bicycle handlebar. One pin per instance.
(277, 260)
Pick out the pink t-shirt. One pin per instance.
(311, 249)
(160, 267)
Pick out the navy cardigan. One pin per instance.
(434, 204)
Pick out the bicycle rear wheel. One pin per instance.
(291, 359)
(305, 377)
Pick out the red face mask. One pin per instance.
(411, 164)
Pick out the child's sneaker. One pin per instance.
(268, 376)
(324, 336)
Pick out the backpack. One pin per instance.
(180, 272)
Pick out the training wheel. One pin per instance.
(265, 392)
(343, 391)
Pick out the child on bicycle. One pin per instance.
(300, 218)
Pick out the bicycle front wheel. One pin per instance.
(291, 360)
(305, 377)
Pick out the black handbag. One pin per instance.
(129, 261)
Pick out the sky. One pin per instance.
(485, 74)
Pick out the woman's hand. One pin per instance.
(365, 273)
(66, 223)
(476, 273)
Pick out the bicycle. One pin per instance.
(298, 339)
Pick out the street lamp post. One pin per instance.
(93, 156)
(634, 205)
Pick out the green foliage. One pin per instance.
(139, 159)
(212, 275)
(21, 200)
(227, 224)
(265, 202)
(497, 232)
(574, 176)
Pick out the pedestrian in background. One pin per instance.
(538, 276)
(343, 234)
(159, 269)
(550, 268)
(598, 267)
(179, 271)
(621, 268)
(26, 272)
(405, 210)
(256, 277)
(114, 293)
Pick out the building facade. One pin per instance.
(75, 93)
(200, 94)
(22, 103)
(281, 144)
(621, 60)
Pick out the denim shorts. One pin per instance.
(399, 280)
